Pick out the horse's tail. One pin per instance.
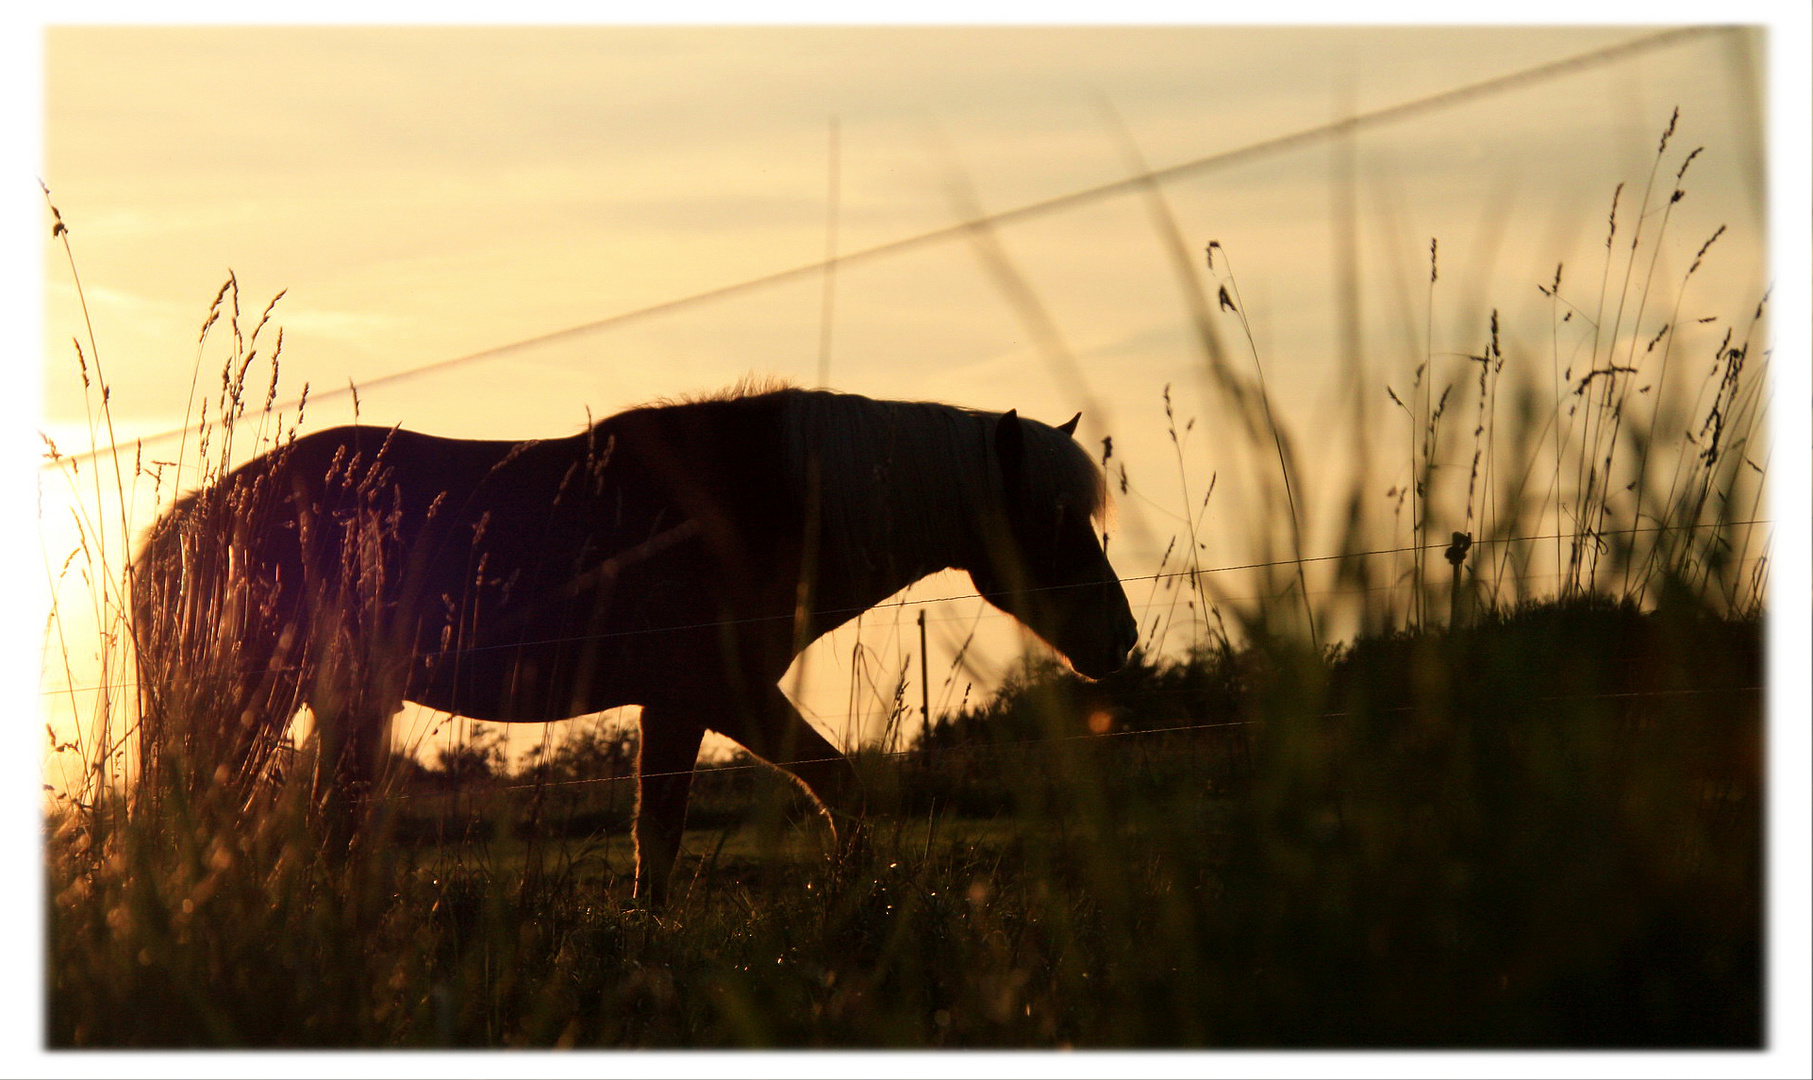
(216, 689)
(157, 584)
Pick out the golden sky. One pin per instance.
(427, 194)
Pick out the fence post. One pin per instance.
(925, 704)
(1456, 555)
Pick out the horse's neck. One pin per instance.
(899, 494)
(856, 576)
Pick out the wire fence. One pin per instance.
(1173, 576)
(996, 745)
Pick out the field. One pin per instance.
(1523, 811)
(1407, 844)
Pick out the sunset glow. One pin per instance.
(518, 195)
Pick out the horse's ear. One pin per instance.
(1068, 427)
(1010, 447)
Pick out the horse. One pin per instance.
(676, 556)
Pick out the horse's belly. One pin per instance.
(671, 626)
(556, 668)
(526, 682)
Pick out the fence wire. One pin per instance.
(905, 602)
(1092, 737)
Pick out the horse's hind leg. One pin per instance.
(664, 770)
(353, 704)
(351, 751)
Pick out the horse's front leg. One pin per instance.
(770, 727)
(664, 769)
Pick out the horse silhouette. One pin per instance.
(675, 556)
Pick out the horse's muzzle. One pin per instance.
(1112, 656)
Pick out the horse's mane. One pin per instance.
(898, 477)
(749, 386)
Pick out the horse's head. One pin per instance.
(1042, 559)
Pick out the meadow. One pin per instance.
(1519, 803)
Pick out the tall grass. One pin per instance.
(1528, 816)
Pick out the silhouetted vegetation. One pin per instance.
(1406, 842)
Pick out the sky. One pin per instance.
(423, 195)
(500, 231)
